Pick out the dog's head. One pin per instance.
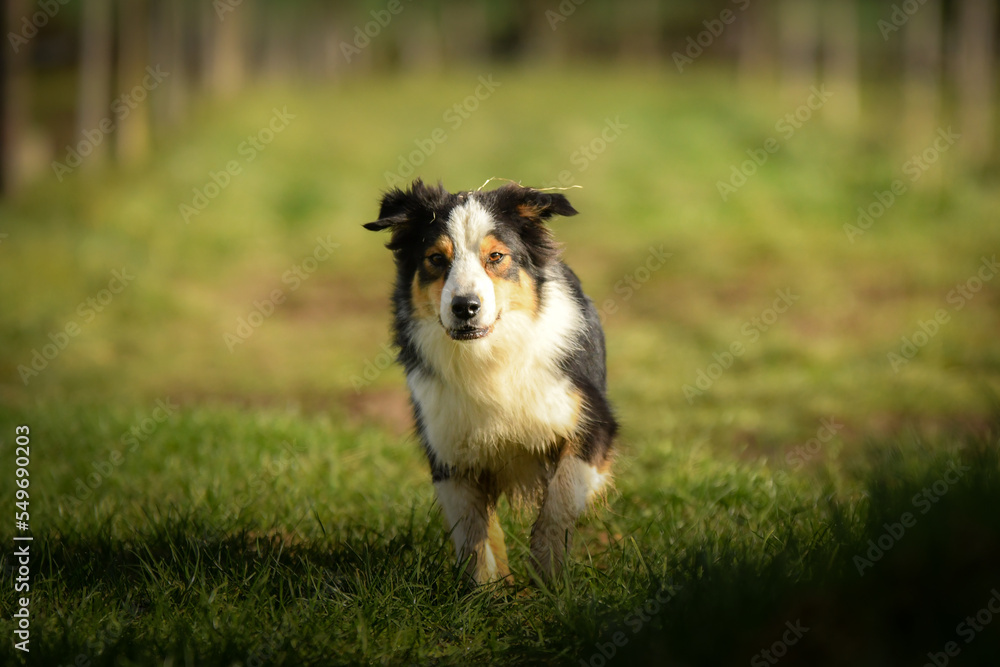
(469, 258)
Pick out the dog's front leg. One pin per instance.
(567, 495)
(470, 512)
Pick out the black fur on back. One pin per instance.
(587, 369)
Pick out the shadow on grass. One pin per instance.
(906, 575)
(909, 576)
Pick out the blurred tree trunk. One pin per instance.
(310, 44)
(799, 40)
(94, 81)
(755, 57)
(168, 47)
(974, 77)
(639, 30)
(922, 48)
(335, 31)
(840, 60)
(278, 57)
(465, 32)
(544, 26)
(131, 105)
(15, 89)
(420, 43)
(223, 48)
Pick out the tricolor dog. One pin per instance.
(504, 358)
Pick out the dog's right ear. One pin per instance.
(393, 210)
(405, 207)
(379, 225)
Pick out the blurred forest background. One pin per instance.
(129, 128)
(65, 60)
(789, 221)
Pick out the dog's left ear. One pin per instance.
(531, 204)
(544, 205)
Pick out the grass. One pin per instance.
(280, 514)
(329, 552)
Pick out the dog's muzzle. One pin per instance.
(465, 309)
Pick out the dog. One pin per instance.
(504, 358)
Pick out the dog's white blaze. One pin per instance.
(467, 226)
(491, 399)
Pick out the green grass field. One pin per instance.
(210, 493)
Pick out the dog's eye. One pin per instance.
(495, 257)
(437, 259)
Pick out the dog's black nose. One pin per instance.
(465, 307)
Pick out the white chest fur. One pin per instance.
(490, 400)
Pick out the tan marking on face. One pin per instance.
(444, 246)
(511, 295)
(427, 298)
(490, 245)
